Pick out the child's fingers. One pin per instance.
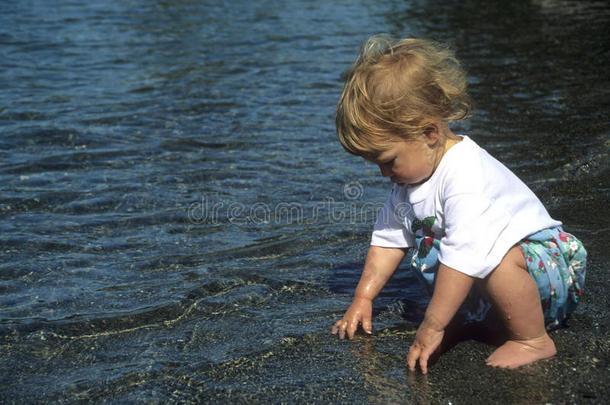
(342, 328)
(339, 328)
(351, 329)
(345, 327)
(417, 353)
(412, 356)
(335, 328)
(423, 361)
(367, 325)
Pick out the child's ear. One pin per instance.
(431, 133)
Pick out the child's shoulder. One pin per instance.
(464, 157)
(466, 148)
(467, 167)
(474, 170)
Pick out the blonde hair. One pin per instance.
(393, 87)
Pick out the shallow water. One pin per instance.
(178, 222)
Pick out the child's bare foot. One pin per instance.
(517, 353)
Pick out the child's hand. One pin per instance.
(427, 340)
(359, 312)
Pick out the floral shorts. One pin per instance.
(555, 259)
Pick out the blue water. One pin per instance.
(177, 219)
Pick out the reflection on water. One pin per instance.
(119, 120)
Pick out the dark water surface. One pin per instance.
(178, 222)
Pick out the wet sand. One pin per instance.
(371, 369)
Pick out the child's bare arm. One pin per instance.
(450, 290)
(379, 266)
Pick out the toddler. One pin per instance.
(479, 237)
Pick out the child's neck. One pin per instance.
(447, 139)
(451, 140)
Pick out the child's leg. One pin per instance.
(515, 296)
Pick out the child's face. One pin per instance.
(407, 162)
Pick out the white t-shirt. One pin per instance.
(473, 204)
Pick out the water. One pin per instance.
(177, 220)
